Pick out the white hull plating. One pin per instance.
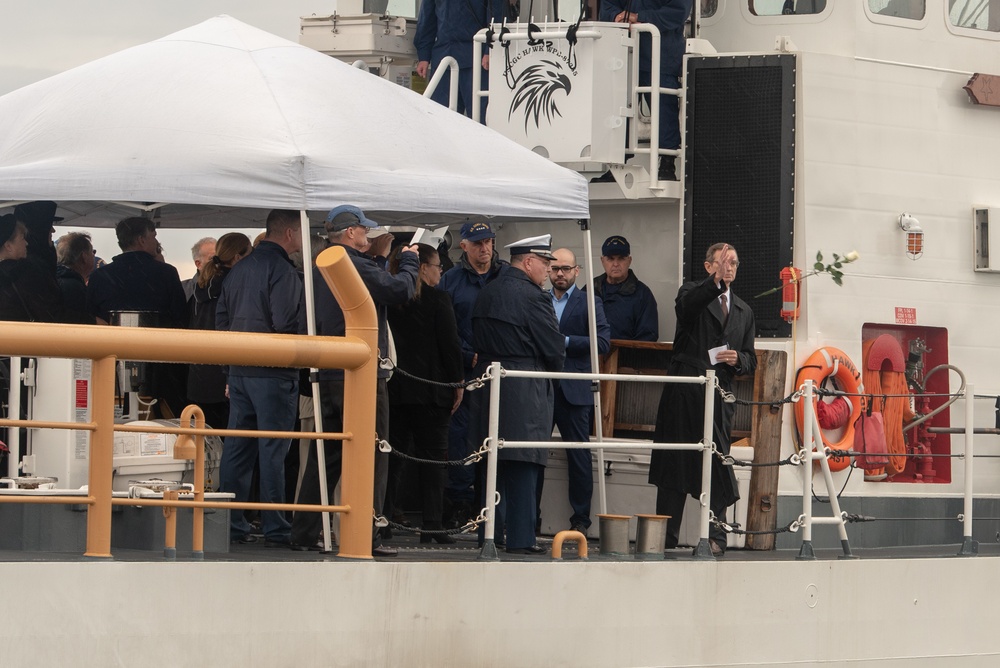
(878, 612)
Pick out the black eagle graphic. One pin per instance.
(535, 88)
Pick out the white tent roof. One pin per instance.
(226, 115)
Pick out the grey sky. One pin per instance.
(44, 37)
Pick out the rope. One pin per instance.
(470, 385)
(395, 526)
(792, 460)
(734, 528)
(470, 458)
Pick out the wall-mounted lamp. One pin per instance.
(914, 235)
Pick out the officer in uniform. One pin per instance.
(514, 323)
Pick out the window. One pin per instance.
(903, 9)
(709, 7)
(788, 7)
(975, 14)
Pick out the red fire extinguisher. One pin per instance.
(791, 279)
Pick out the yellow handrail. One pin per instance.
(356, 353)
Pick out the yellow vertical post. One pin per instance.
(102, 441)
(170, 525)
(358, 472)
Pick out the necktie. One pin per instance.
(725, 307)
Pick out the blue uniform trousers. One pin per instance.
(259, 403)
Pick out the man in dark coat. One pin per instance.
(715, 330)
(628, 302)
(446, 28)
(479, 266)
(669, 17)
(136, 281)
(574, 399)
(513, 323)
(262, 293)
(348, 226)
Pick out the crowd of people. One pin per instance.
(438, 324)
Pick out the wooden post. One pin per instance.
(769, 385)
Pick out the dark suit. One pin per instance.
(574, 399)
(677, 473)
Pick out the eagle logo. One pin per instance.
(535, 88)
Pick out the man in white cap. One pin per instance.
(514, 323)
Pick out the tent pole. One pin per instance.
(310, 289)
(602, 496)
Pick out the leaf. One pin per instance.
(819, 257)
(819, 266)
(838, 280)
(838, 265)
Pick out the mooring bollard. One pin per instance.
(614, 534)
(650, 536)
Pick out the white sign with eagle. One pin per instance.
(565, 99)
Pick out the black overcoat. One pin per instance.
(679, 418)
(513, 322)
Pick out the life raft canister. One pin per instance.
(825, 363)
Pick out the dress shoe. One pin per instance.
(534, 549)
(245, 539)
(442, 538)
(384, 551)
(278, 541)
(666, 171)
(578, 526)
(717, 549)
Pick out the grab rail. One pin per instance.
(355, 352)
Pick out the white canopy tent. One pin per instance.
(225, 115)
(214, 125)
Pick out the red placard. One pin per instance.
(906, 315)
(81, 393)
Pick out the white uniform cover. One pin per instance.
(224, 114)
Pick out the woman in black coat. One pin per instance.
(427, 346)
(206, 384)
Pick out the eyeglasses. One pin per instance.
(431, 264)
(564, 270)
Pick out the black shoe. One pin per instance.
(384, 551)
(245, 539)
(442, 538)
(578, 526)
(666, 171)
(534, 549)
(315, 547)
(280, 541)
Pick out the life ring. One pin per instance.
(826, 363)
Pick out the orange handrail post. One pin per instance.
(360, 385)
(102, 446)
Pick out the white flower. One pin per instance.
(852, 256)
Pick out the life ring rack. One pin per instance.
(824, 363)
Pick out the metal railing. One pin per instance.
(706, 445)
(356, 352)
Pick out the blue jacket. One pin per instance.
(386, 290)
(630, 308)
(464, 284)
(573, 325)
(262, 293)
(136, 281)
(668, 16)
(446, 28)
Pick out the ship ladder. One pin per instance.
(813, 449)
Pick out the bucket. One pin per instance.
(614, 534)
(650, 536)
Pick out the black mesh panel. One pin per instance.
(739, 173)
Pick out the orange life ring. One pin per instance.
(825, 363)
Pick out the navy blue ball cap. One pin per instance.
(616, 245)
